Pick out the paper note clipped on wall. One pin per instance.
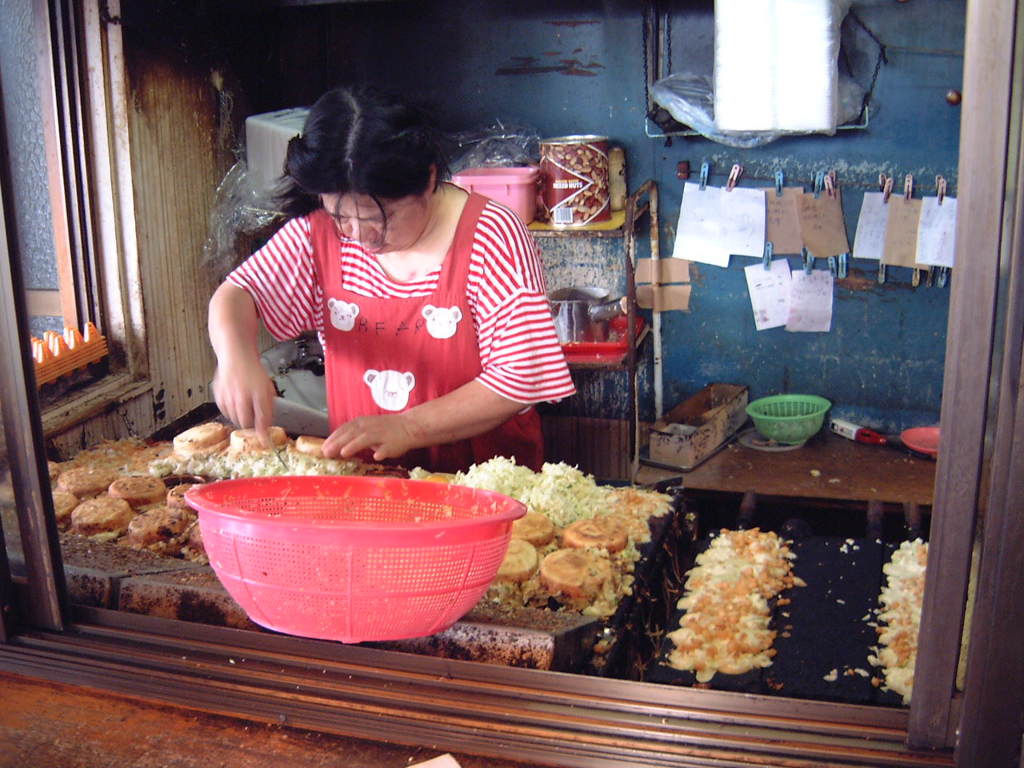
(769, 293)
(715, 223)
(822, 224)
(869, 239)
(810, 301)
(936, 232)
(800, 301)
(783, 219)
(901, 231)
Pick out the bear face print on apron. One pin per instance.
(386, 355)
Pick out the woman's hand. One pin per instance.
(245, 393)
(388, 436)
(242, 388)
(470, 410)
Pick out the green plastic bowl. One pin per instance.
(788, 419)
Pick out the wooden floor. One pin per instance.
(45, 725)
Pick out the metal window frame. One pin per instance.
(556, 718)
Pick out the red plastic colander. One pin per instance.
(353, 558)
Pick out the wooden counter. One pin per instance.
(49, 725)
(826, 467)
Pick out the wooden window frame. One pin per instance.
(84, 124)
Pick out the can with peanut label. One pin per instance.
(574, 174)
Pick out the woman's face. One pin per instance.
(396, 228)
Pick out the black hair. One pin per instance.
(361, 141)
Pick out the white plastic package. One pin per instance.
(776, 65)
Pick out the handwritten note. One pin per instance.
(769, 293)
(936, 232)
(783, 219)
(810, 301)
(901, 231)
(869, 241)
(715, 223)
(743, 221)
(699, 231)
(822, 225)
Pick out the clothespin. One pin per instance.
(734, 176)
(929, 278)
(778, 183)
(908, 191)
(808, 260)
(704, 170)
(766, 260)
(831, 183)
(943, 276)
(819, 183)
(844, 261)
(940, 188)
(885, 185)
(833, 266)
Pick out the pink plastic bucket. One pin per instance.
(516, 187)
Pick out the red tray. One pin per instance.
(595, 351)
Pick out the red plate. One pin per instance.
(922, 439)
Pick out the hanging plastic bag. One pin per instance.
(690, 100)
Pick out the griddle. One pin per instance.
(824, 627)
(627, 634)
(527, 637)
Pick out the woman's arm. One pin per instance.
(242, 388)
(470, 410)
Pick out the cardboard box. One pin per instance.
(698, 426)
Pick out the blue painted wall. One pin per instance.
(578, 67)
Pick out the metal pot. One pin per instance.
(582, 314)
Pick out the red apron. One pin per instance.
(386, 355)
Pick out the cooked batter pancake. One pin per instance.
(310, 446)
(86, 481)
(202, 439)
(534, 528)
(598, 532)
(63, 503)
(103, 516)
(575, 572)
(520, 561)
(139, 462)
(176, 496)
(249, 441)
(161, 529)
(138, 491)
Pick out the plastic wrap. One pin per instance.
(498, 145)
(689, 99)
(776, 74)
(241, 215)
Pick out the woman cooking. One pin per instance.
(430, 302)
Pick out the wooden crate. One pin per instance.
(698, 426)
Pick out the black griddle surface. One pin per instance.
(627, 628)
(828, 620)
(824, 627)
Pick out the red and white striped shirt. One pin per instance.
(520, 356)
